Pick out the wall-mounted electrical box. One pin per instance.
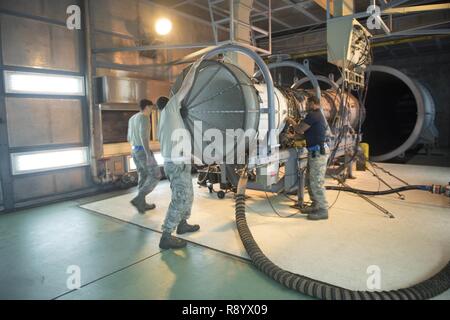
(347, 42)
(348, 46)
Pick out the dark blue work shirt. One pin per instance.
(316, 134)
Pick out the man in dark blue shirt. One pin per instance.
(314, 127)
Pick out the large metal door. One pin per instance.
(44, 135)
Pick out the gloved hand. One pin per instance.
(290, 121)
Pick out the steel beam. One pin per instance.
(181, 14)
(182, 3)
(35, 18)
(390, 10)
(416, 30)
(214, 27)
(299, 8)
(421, 32)
(395, 3)
(412, 9)
(327, 5)
(5, 161)
(266, 14)
(155, 47)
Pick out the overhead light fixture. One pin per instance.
(163, 26)
(38, 161)
(41, 83)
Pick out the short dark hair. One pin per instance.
(161, 102)
(144, 103)
(314, 100)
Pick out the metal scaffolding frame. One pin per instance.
(227, 23)
(222, 22)
(232, 22)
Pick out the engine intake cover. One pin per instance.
(222, 97)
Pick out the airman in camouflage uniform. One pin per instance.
(317, 167)
(177, 165)
(180, 206)
(144, 159)
(314, 127)
(149, 175)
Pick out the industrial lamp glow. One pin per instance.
(163, 26)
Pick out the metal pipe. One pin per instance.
(324, 79)
(154, 47)
(214, 28)
(307, 72)
(181, 14)
(270, 26)
(295, 65)
(90, 89)
(412, 9)
(292, 101)
(328, 10)
(232, 21)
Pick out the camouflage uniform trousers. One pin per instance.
(317, 167)
(149, 173)
(180, 206)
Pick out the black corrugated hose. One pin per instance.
(434, 286)
(382, 192)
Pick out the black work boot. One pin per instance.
(139, 203)
(170, 242)
(149, 206)
(184, 227)
(309, 209)
(321, 214)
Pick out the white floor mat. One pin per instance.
(407, 249)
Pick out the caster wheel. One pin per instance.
(221, 194)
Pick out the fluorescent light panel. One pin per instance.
(132, 166)
(159, 159)
(38, 161)
(40, 83)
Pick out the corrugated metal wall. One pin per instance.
(34, 38)
(130, 23)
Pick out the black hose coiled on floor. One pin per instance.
(382, 192)
(437, 284)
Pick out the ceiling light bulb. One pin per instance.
(163, 26)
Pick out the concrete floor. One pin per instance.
(407, 250)
(118, 260)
